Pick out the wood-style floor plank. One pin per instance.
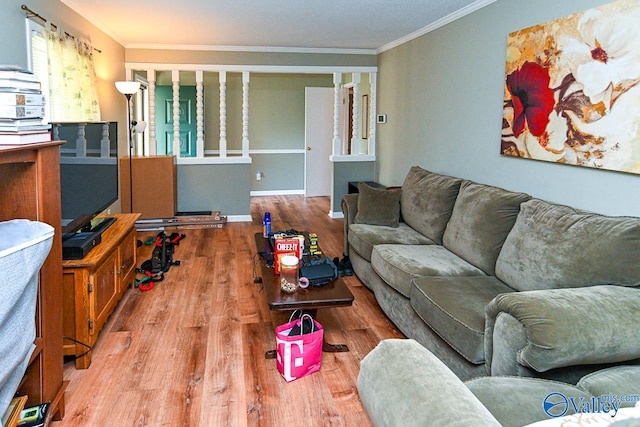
(190, 352)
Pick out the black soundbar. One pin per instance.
(79, 245)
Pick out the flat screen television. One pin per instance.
(88, 173)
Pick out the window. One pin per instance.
(65, 68)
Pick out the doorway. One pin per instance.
(164, 120)
(318, 129)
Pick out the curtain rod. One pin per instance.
(31, 14)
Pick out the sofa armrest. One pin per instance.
(401, 383)
(556, 328)
(349, 210)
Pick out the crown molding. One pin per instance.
(77, 7)
(437, 24)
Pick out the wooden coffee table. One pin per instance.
(309, 300)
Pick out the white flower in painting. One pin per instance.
(620, 133)
(550, 145)
(608, 52)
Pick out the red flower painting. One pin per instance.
(572, 90)
(532, 98)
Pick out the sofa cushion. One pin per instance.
(555, 246)
(397, 265)
(363, 237)
(401, 383)
(617, 381)
(454, 308)
(516, 401)
(427, 201)
(481, 219)
(378, 206)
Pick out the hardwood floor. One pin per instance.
(190, 352)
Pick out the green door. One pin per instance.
(164, 120)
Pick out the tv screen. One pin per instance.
(88, 171)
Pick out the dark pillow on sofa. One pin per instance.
(377, 206)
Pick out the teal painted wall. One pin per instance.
(443, 94)
(12, 27)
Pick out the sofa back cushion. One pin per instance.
(555, 246)
(427, 201)
(378, 206)
(481, 219)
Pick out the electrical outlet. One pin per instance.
(258, 175)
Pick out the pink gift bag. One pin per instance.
(299, 347)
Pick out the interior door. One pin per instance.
(164, 120)
(318, 129)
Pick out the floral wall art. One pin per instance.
(572, 92)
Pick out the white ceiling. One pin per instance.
(333, 25)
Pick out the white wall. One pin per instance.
(443, 95)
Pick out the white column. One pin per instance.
(337, 143)
(245, 114)
(373, 78)
(151, 77)
(175, 78)
(104, 141)
(223, 113)
(355, 134)
(81, 141)
(199, 114)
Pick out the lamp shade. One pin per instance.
(127, 88)
(139, 126)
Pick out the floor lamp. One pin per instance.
(128, 89)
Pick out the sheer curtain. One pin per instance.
(72, 81)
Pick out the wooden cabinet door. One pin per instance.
(104, 292)
(127, 252)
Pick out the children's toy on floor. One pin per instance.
(160, 262)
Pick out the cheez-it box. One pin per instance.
(286, 246)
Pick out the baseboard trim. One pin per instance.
(277, 193)
(336, 215)
(239, 218)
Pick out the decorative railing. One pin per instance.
(87, 142)
(353, 150)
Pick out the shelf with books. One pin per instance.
(22, 108)
(12, 77)
(19, 138)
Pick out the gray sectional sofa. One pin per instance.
(421, 391)
(495, 282)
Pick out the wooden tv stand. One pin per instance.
(94, 285)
